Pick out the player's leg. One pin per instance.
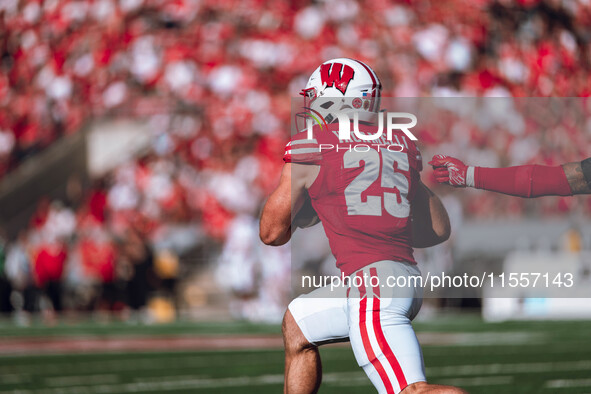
(310, 321)
(382, 336)
(385, 344)
(303, 368)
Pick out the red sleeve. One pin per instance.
(301, 150)
(523, 181)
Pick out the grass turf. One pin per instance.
(512, 357)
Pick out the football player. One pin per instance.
(374, 209)
(527, 181)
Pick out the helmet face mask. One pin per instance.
(344, 86)
(310, 95)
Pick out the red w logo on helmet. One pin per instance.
(330, 74)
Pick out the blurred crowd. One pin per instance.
(69, 260)
(215, 80)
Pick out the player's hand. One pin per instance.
(449, 170)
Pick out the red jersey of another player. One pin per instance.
(362, 193)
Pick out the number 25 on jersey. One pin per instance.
(392, 163)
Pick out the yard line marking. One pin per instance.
(61, 381)
(358, 378)
(11, 347)
(566, 383)
(531, 349)
(337, 379)
(180, 360)
(334, 379)
(477, 369)
(63, 345)
(479, 381)
(165, 385)
(8, 379)
(513, 338)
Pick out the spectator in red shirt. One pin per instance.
(48, 269)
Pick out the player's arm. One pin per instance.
(276, 219)
(527, 181)
(430, 222)
(578, 176)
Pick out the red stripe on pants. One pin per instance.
(365, 338)
(384, 346)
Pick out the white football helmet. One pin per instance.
(343, 85)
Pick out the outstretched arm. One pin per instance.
(430, 223)
(523, 181)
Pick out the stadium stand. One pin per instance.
(214, 80)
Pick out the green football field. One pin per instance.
(511, 357)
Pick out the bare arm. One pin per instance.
(275, 226)
(430, 223)
(576, 178)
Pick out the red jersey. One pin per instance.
(362, 193)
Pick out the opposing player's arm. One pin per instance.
(578, 176)
(430, 222)
(527, 181)
(276, 219)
